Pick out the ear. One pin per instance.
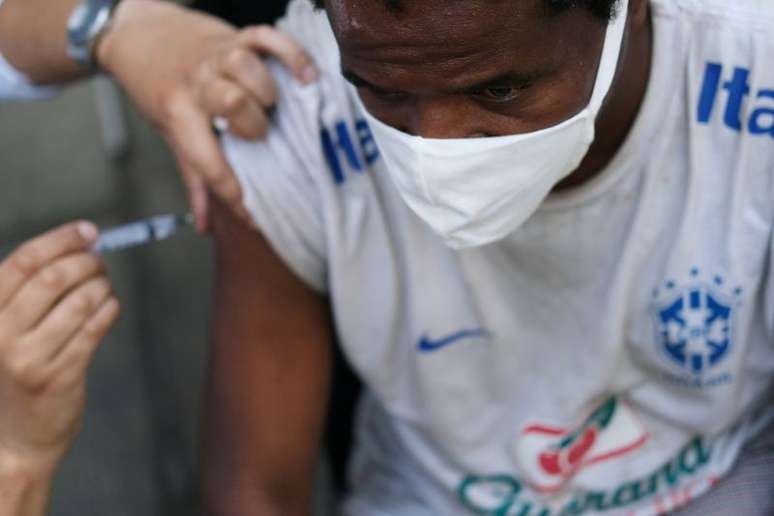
(639, 11)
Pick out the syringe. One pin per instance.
(141, 232)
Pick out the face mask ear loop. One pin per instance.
(608, 63)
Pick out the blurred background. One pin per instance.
(87, 154)
(144, 386)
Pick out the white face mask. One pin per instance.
(473, 191)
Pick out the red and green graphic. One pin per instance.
(551, 456)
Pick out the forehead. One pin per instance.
(426, 22)
(450, 37)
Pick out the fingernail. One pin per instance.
(309, 73)
(88, 231)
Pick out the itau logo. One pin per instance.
(694, 322)
(551, 456)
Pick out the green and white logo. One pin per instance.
(504, 495)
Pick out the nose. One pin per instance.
(445, 117)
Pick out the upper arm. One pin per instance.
(267, 380)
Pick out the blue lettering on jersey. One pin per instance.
(367, 142)
(338, 143)
(737, 87)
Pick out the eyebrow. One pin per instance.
(507, 79)
(359, 82)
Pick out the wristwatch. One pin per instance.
(89, 20)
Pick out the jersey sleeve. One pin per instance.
(16, 86)
(280, 180)
(287, 185)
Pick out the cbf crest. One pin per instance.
(694, 327)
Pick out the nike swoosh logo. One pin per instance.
(428, 345)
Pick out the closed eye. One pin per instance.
(499, 93)
(386, 95)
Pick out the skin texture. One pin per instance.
(272, 335)
(202, 68)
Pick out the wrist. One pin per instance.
(104, 47)
(30, 468)
(25, 485)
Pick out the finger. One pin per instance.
(245, 68)
(30, 257)
(71, 363)
(195, 145)
(36, 297)
(66, 318)
(250, 122)
(267, 40)
(245, 114)
(197, 194)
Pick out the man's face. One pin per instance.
(466, 68)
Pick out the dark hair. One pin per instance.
(603, 9)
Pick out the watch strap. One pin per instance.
(86, 24)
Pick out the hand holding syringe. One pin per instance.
(141, 232)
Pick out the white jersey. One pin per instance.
(14, 85)
(612, 355)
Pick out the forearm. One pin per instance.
(33, 38)
(24, 490)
